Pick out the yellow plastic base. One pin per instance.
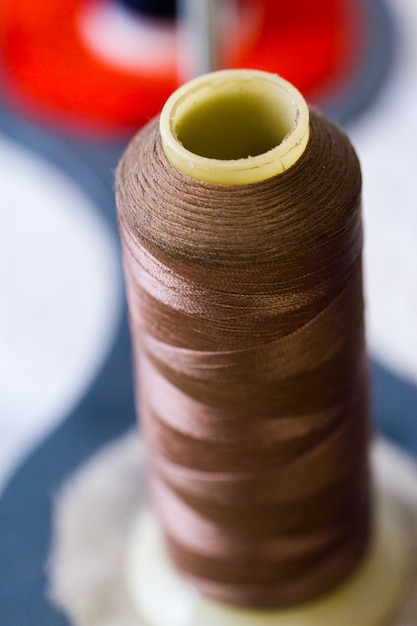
(368, 598)
(382, 591)
(96, 529)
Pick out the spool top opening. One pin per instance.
(235, 127)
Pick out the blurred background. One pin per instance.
(77, 79)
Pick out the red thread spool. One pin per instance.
(54, 75)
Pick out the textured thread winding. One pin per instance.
(246, 314)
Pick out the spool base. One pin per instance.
(95, 561)
(367, 598)
(370, 597)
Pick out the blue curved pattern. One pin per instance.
(105, 412)
(27, 503)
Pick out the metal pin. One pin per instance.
(200, 34)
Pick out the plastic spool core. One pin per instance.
(235, 127)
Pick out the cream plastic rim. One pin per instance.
(235, 127)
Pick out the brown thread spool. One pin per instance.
(248, 331)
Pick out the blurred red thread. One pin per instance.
(53, 75)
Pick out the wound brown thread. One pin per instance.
(246, 314)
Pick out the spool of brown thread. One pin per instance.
(246, 314)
